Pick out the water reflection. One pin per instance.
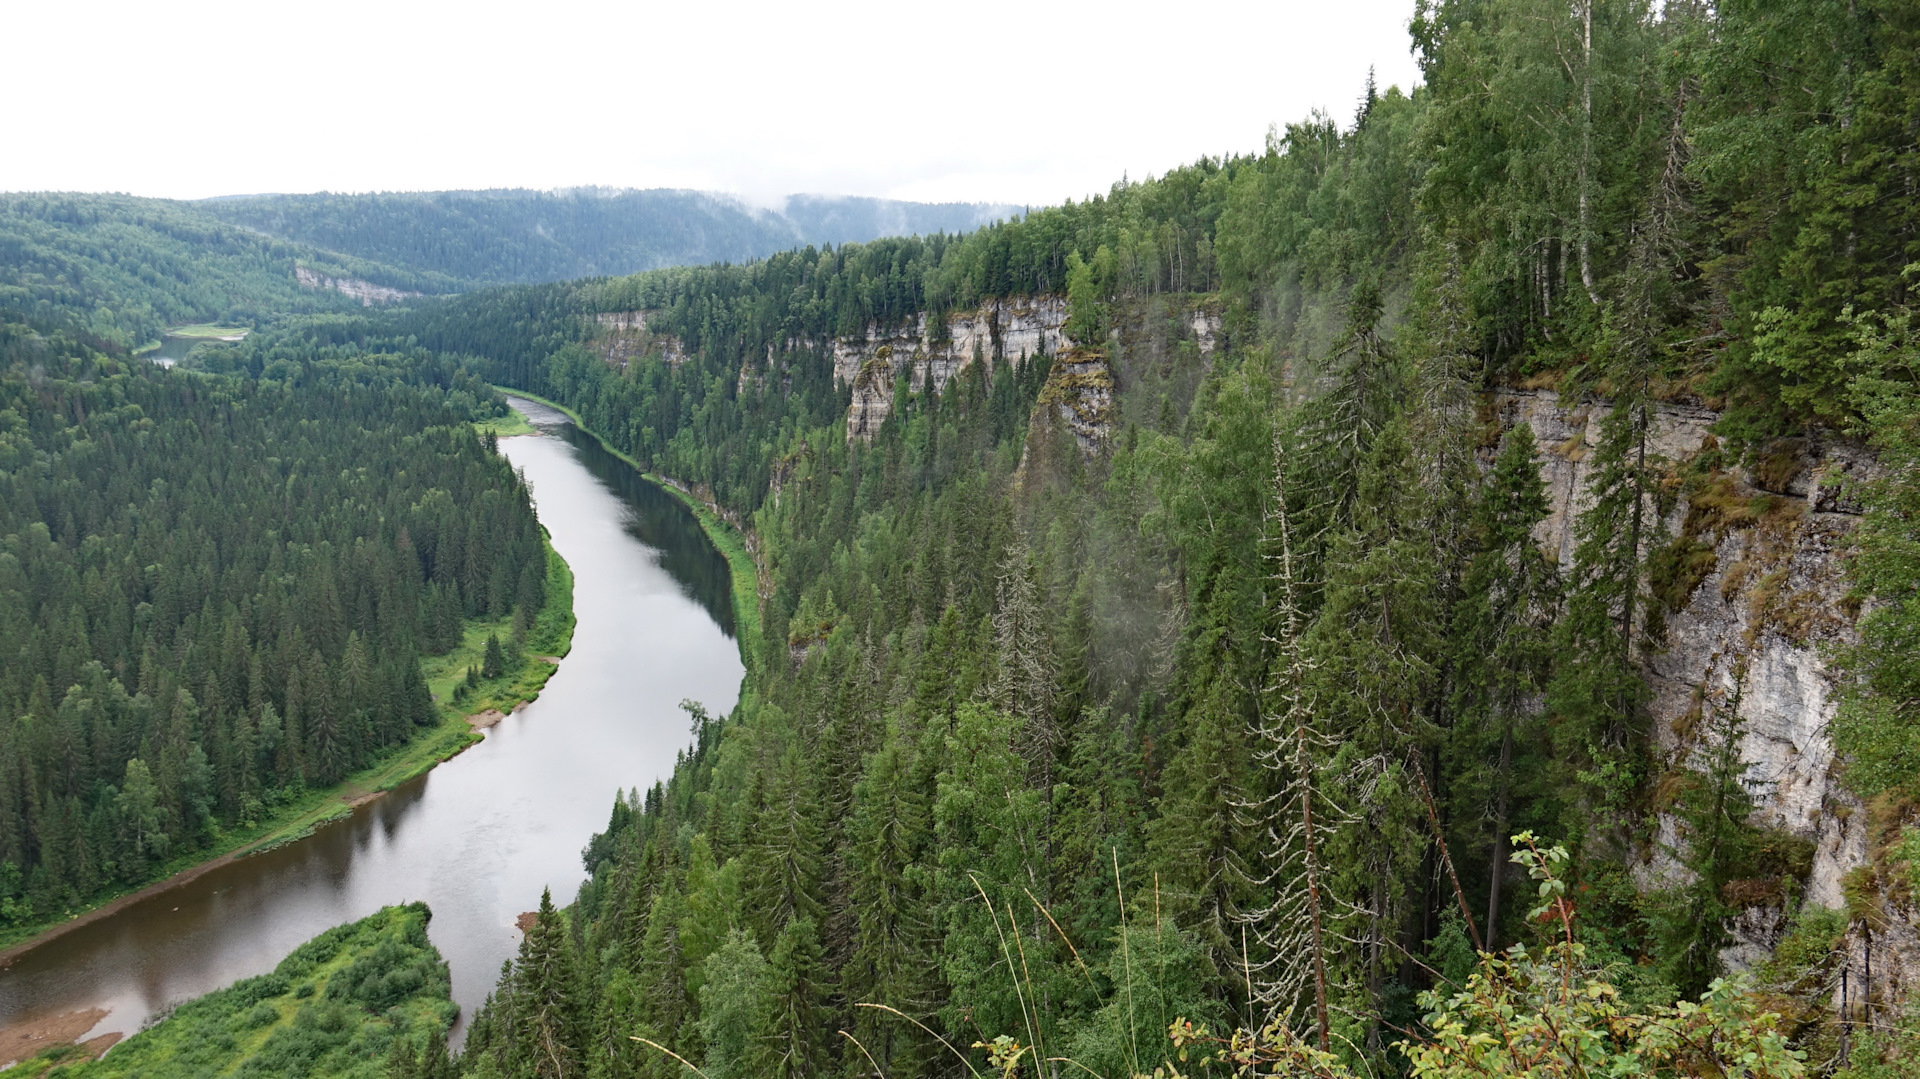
(480, 836)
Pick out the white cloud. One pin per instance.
(1022, 102)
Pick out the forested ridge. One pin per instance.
(125, 269)
(215, 590)
(1269, 712)
(496, 237)
(128, 269)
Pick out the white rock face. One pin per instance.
(623, 337)
(1011, 330)
(1752, 638)
(366, 292)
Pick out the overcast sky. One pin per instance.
(1019, 101)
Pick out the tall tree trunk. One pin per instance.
(1497, 871)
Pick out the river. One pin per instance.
(481, 835)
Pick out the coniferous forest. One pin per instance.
(214, 592)
(1235, 717)
(1218, 688)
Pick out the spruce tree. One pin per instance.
(1597, 696)
(1501, 656)
(494, 663)
(549, 1026)
(795, 1044)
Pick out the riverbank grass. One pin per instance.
(299, 814)
(507, 426)
(332, 1008)
(550, 639)
(725, 538)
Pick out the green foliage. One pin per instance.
(125, 269)
(1005, 694)
(333, 1009)
(1876, 724)
(735, 1006)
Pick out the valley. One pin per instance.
(1434, 595)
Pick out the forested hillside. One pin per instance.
(125, 269)
(215, 590)
(1230, 713)
(498, 237)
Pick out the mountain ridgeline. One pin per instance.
(129, 268)
(517, 236)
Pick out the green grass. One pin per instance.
(513, 423)
(552, 635)
(208, 330)
(724, 537)
(332, 1008)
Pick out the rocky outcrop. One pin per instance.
(366, 292)
(873, 389)
(1755, 591)
(1079, 394)
(1010, 330)
(621, 337)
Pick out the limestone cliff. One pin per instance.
(1013, 330)
(621, 337)
(1079, 392)
(366, 292)
(1753, 598)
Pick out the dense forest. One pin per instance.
(1250, 717)
(214, 590)
(125, 269)
(1257, 732)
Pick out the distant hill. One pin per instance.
(521, 236)
(126, 268)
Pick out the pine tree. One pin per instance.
(1024, 685)
(889, 961)
(1375, 648)
(1597, 695)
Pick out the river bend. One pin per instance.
(481, 835)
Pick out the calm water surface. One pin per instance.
(481, 835)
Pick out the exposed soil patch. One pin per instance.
(526, 921)
(480, 721)
(23, 1040)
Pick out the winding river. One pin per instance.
(481, 835)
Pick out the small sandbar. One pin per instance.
(22, 1040)
(480, 721)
